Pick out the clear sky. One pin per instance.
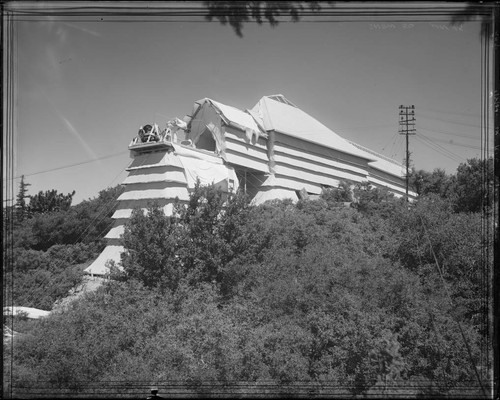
(85, 85)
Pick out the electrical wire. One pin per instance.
(72, 165)
(391, 139)
(453, 143)
(397, 146)
(438, 148)
(334, 13)
(104, 209)
(437, 111)
(97, 219)
(100, 217)
(454, 122)
(85, 233)
(424, 127)
(66, 166)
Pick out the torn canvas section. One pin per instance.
(207, 169)
(218, 135)
(206, 118)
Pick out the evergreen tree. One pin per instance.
(50, 200)
(21, 206)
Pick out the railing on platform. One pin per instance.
(151, 138)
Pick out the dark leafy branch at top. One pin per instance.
(236, 13)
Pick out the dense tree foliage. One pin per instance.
(469, 190)
(192, 246)
(49, 248)
(473, 185)
(424, 183)
(50, 200)
(357, 293)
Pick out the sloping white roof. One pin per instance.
(280, 115)
(234, 115)
(383, 163)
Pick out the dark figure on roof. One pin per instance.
(148, 133)
(154, 394)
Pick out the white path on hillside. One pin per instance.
(88, 285)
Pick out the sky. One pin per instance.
(85, 84)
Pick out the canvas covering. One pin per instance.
(110, 252)
(295, 152)
(293, 121)
(30, 312)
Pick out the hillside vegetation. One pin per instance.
(379, 298)
(48, 242)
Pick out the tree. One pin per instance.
(50, 200)
(277, 293)
(91, 219)
(152, 242)
(236, 13)
(21, 207)
(87, 222)
(49, 250)
(372, 200)
(473, 185)
(342, 193)
(424, 182)
(194, 245)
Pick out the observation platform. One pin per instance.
(149, 139)
(138, 146)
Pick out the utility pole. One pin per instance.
(407, 127)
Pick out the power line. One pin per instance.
(477, 126)
(438, 148)
(457, 144)
(85, 233)
(398, 147)
(72, 165)
(441, 150)
(449, 133)
(435, 111)
(98, 218)
(435, 147)
(391, 139)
